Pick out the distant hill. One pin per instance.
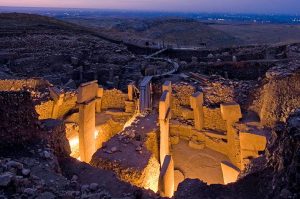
(252, 33)
(189, 32)
(174, 31)
(17, 21)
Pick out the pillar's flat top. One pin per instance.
(231, 111)
(197, 94)
(55, 92)
(167, 83)
(230, 104)
(88, 83)
(146, 80)
(87, 91)
(164, 96)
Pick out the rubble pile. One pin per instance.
(38, 176)
(219, 90)
(278, 96)
(19, 124)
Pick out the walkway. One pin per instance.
(156, 53)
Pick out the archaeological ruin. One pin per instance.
(173, 123)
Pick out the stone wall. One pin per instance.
(44, 109)
(69, 103)
(210, 140)
(213, 119)
(181, 108)
(249, 70)
(55, 134)
(107, 130)
(114, 99)
(19, 122)
(180, 98)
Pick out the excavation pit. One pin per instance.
(203, 164)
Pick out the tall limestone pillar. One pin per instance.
(231, 113)
(86, 100)
(164, 120)
(196, 101)
(166, 177)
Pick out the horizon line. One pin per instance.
(157, 11)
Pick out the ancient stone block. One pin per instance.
(174, 140)
(249, 141)
(58, 98)
(246, 154)
(87, 92)
(87, 106)
(87, 131)
(145, 101)
(196, 100)
(130, 92)
(100, 92)
(187, 113)
(231, 112)
(197, 105)
(129, 106)
(230, 172)
(196, 144)
(55, 93)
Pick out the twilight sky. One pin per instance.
(253, 6)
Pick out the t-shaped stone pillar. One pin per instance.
(164, 120)
(167, 86)
(166, 177)
(58, 98)
(130, 91)
(196, 101)
(100, 92)
(86, 99)
(130, 103)
(231, 113)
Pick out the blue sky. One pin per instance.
(248, 6)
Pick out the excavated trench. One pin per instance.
(128, 144)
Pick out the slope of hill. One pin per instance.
(155, 32)
(261, 33)
(188, 32)
(33, 45)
